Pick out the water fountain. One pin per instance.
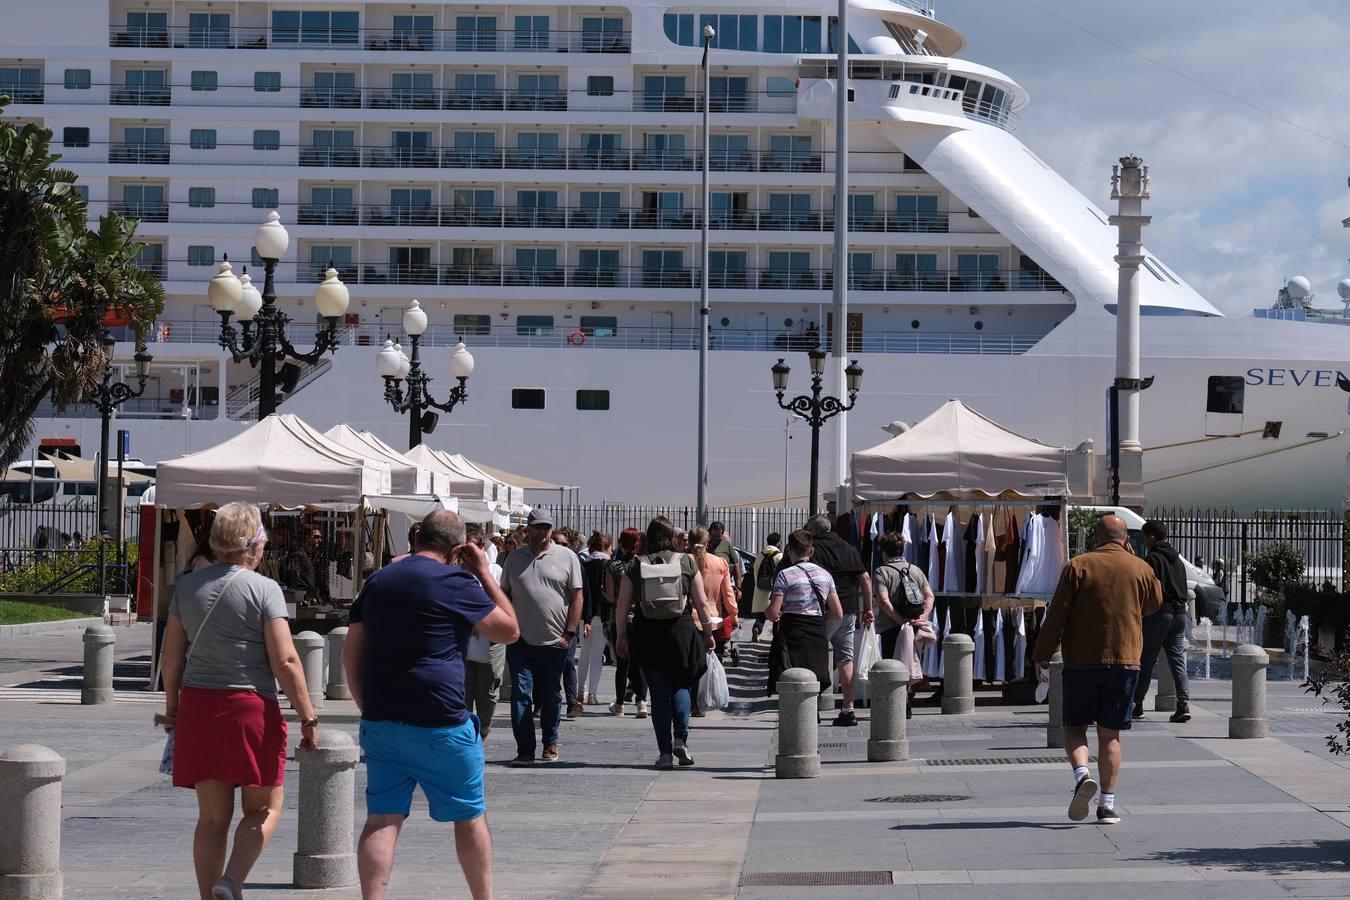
(1301, 645)
(1259, 629)
(1223, 628)
(1208, 627)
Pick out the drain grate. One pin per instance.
(919, 798)
(839, 746)
(1311, 709)
(815, 879)
(997, 761)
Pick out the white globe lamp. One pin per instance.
(414, 320)
(250, 301)
(271, 238)
(224, 289)
(461, 362)
(331, 297)
(388, 362)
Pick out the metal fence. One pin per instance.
(747, 526)
(64, 525)
(1223, 534)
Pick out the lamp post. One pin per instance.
(815, 409)
(704, 311)
(106, 397)
(395, 367)
(264, 342)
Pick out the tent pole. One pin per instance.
(154, 599)
(358, 545)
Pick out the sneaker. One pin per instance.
(616, 708)
(665, 761)
(574, 709)
(550, 754)
(642, 709)
(1107, 816)
(1083, 792)
(1183, 714)
(683, 755)
(1138, 711)
(592, 700)
(523, 759)
(909, 710)
(225, 889)
(845, 719)
(735, 656)
(755, 633)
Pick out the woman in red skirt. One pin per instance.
(227, 645)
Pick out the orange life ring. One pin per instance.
(576, 338)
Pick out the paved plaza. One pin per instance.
(979, 810)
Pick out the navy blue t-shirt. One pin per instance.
(418, 615)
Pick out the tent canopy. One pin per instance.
(520, 481)
(958, 453)
(75, 468)
(462, 482)
(405, 475)
(279, 461)
(438, 482)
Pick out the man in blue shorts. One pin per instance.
(404, 658)
(1096, 619)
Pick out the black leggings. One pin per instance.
(626, 675)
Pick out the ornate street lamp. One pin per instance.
(395, 368)
(106, 397)
(264, 342)
(815, 409)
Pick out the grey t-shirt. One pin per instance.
(541, 590)
(887, 578)
(231, 651)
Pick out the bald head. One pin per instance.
(1111, 530)
(441, 532)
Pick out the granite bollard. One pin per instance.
(30, 829)
(798, 753)
(1165, 697)
(323, 854)
(97, 685)
(1249, 693)
(1054, 727)
(337, 689)
(888, 683)
(310, 647)
(958, 688)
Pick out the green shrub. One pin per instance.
(37, 573)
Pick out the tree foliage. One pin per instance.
(58, 281)
(1276, 567)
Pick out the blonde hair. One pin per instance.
(237, 532)
(698, 543)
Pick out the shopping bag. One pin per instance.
(712, 689)
(869, 651)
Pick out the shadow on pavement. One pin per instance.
(1310, 856)
(979, 826)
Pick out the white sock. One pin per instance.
(1108, 799)
(1079, 773)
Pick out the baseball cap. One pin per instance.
(540, 516)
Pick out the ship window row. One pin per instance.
(781, 34)
(588, 400)
(452, 30)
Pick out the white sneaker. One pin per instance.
(616, 708)
(665, 761)
(682, 754)
(642, 709)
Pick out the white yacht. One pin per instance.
(531, 172)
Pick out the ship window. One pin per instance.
(75, 137)
(781, 86)
(680, 29)
(600, 85)
(201, 255)
(1224, 394)
(266, 139)
(265, 198)
(204, 81)
(592, 400)
(267, 82)
(527, 398)
(471, 324)
(600, 326)
(78, 79)
(787, 323)
(202, 138)
(201, 197)
(534, 326)
(914, 323)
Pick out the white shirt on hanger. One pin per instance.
(955, 568)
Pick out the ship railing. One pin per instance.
(397, 40)
(923, 7)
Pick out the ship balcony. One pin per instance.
(393, 40)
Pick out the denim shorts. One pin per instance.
(840, 635)
(447, 763)
(1101, 695)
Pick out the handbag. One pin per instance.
(166, 758)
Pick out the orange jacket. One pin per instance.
(720, 598)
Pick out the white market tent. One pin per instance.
(405, 475)
(474, 490)
(958, 453)
(440, 483)
(280, 461)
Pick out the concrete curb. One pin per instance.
(60, 625)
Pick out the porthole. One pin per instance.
(979, 326)
(725, 321)
(787, 323)
(914, 324)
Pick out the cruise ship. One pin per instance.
(531, 174)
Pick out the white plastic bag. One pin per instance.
(712, 690)
(869, 652)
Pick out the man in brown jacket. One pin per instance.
(1096, 619)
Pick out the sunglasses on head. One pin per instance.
(541, 526)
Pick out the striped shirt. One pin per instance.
(805, 587)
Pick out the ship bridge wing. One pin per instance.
(1029, 203)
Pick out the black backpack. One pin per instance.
(766, 571)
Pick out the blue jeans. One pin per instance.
(530, 665)
(670, 708)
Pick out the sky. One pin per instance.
(1239, 108)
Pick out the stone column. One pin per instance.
(337, 676)
(1054, 728)
(30, 828)
(798, 755)
(889, 684)
(99, 642)
(324, 857)
(958, 689)
(1165, 697)
(1249, 693)
(310, 647)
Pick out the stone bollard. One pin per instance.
(1165, 697)
(99, 642)
(1054, 727)
(958, 689)
(323, 850)
(798, 755)
(337, 676)
(30, 829)
(889, 685)
(1249, 693)
(310, 647)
